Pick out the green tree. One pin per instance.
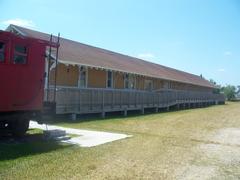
(238, 91)
(229, 92)
(212, 81)
(218, 87)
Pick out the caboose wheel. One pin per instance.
(19, 127)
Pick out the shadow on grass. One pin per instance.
(31, 144)
(109, 116)
(58, 119)
(93, 117)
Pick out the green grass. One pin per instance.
(163, 146)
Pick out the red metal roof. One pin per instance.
(78, 53)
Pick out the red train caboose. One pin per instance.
(22, 64)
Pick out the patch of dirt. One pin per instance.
(228, 136)
(198, 172)
(225, 146)
(218, 157)
(228, 155)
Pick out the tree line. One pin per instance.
(231, 92)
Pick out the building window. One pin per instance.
(148, 85)
(129, 81)
(2, 52)
(83, 77)
(20, 54)
(109, 79)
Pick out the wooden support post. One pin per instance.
(125, 112)
(156, 109)
(193, 105)
(142, 111)
(178, 106)
(103, 114)
(184, 106)
(74, 117)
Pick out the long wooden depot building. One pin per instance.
(95, 80)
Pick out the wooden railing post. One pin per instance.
(112, 99)
(79, 100)
(129, 101)
(121, 100)
(103, 100)
(136, 96)
(91, 100)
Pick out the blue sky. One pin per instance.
(197, 36)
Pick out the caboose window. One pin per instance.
(20, 54)
(2, 51)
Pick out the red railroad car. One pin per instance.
(22, 63)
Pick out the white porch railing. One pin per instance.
(92, 100)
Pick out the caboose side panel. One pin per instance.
(21, 74)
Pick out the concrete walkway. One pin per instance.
(86, 138)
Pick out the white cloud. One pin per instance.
(20, 22)
(227, 53)
(146, 56)
(221, 70)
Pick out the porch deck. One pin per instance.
(92, 100)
